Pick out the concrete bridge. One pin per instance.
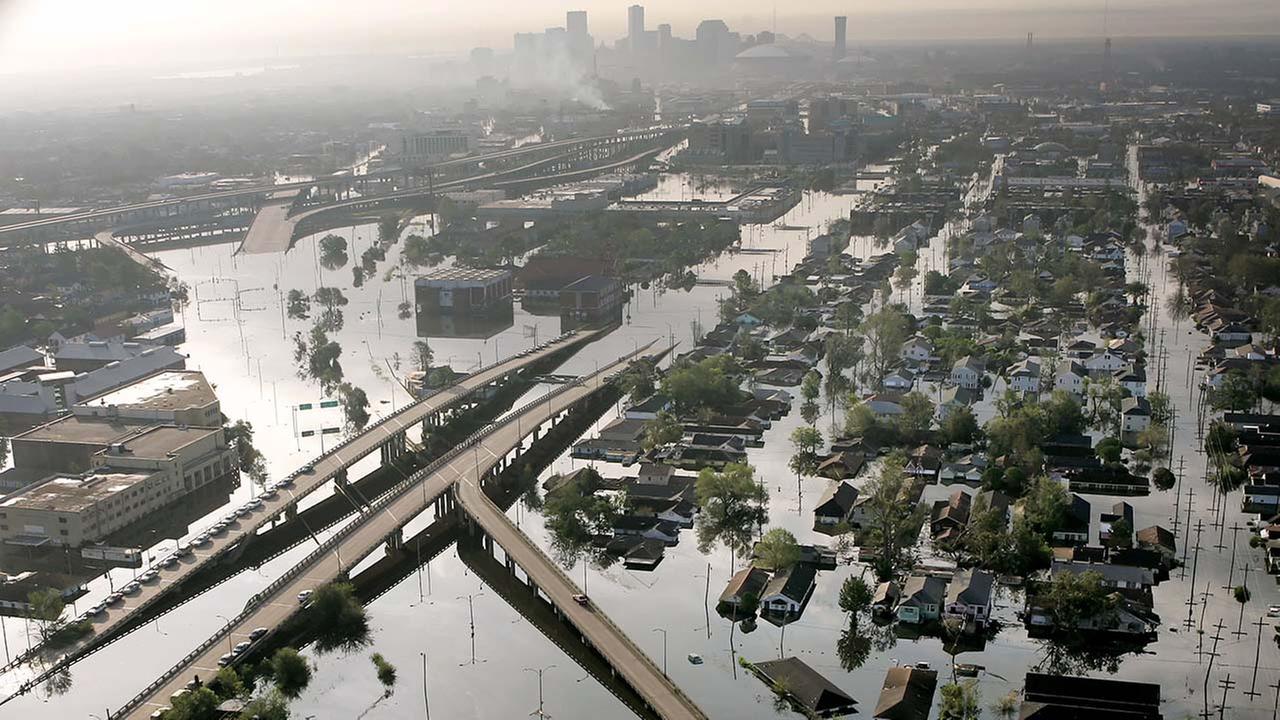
(452, 483)
(387, 436)
(324, 190)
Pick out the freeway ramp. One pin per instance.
(271, 230)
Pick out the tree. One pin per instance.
(228, 684)
(664, 429)
(1045, 504)
(576, 514)
(960, 701)
(4, 451)
(1108, 450)
(339, 618)
(885, 331)
(855, 595)
(250, 460)
(917, 415)
(355, 407)
(1073, 598)
(388, 229)
(386, 671)
(333, 251)
(710, 383)
(777, 550)
(46, 610)
(806, 441)
(1236, 393)
(1007, 705)
(417, 251)
(1104, 404)
(1121, 533)
(298, 305)
(960, 425)
(1163, 478)
(422, 356)
(732, 503)
(290, 671)
(893, 519)
(811, 386)
(1241, 594)
(271, 706)
(199, 704)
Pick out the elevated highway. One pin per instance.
(454, 480)
(388, 436)
(89, 222)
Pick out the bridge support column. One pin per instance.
(395, 541)
(340, 478)
(291, 512)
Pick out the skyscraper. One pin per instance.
(579, 39)
(635, 27)
(839, 50)
(575, 21)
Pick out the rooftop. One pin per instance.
(76, 429)
(157, 442)
(165, 390)
(464, 274)
(73, 493)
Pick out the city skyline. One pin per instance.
(53, 39)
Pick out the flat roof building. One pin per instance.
(464, 291)
(67, 509)
(181, 397)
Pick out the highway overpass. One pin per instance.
(387, 436)
(452, 482)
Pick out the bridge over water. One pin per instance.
(452, 484)
(387, 436)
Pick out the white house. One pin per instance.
(1071, 377)
(899, 379)
(1106, 361)
(1135, 415)
(917, 348)
(967, 372)
(788, 591)
(1133, 379)
(969, 596)
(1024, 377)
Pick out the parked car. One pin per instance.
(258, 633)
(304, 596)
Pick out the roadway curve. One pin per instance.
(464, 467)
(599, 632)
(326, 468)
(100, 213)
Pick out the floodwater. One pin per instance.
(238, 336)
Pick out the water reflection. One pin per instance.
(465, 326)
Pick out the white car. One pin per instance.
(1273, 611)
(304, 596)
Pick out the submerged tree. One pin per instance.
(732, 505)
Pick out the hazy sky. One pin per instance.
(66, 35)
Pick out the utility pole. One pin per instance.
(1257, 654)
(1231, 569)
(1216, 637)
(426, 704)
(1226, 684)
(1191, 597)
(1239, 631)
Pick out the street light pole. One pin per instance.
(540, 713)
(664, 649)
(224, 617)
(471, 610)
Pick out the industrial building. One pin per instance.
(464, 291)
